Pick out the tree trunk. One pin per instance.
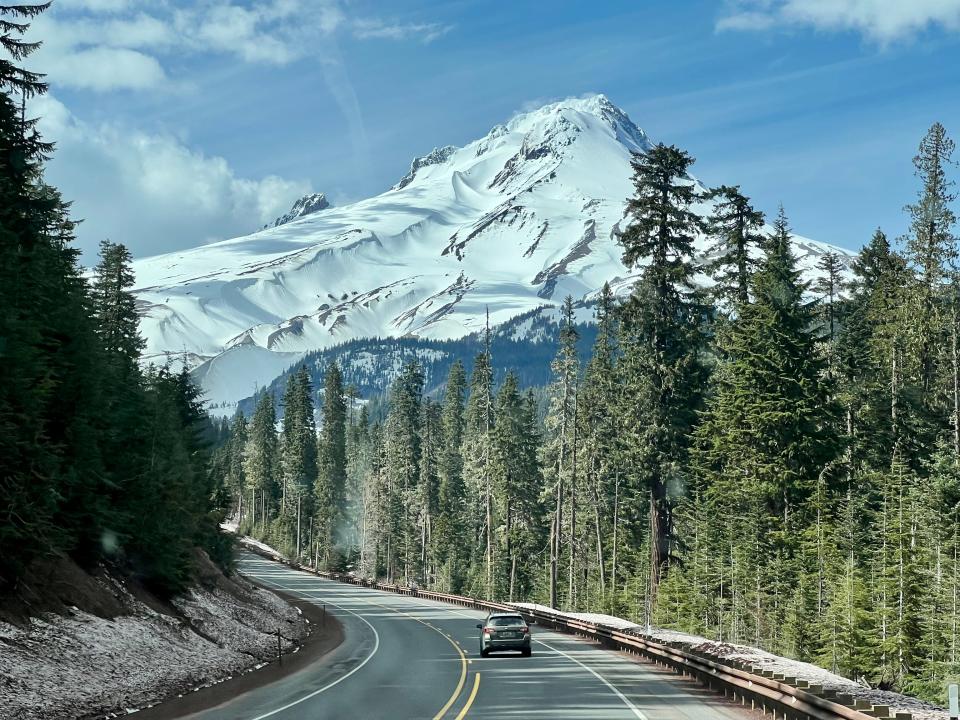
(489, 512)
(616, 529)
(956, 386)
(596, 522)
(659, 537)
(572, 542)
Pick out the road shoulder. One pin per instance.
(325, 636)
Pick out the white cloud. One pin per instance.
(174, 196)
(83, 40)
(882, 21)
(106, 68)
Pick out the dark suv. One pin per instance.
(504, 631)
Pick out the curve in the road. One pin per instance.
(376, 646)
(389, 668)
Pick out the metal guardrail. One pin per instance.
(782, 696)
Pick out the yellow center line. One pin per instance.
(463, 660)
(473, 694)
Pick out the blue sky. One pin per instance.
(179, 123)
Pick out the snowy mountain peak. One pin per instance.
(513, 222)
(580, 112)
(307, 205)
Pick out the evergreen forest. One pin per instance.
(101, 460)
(767, 461)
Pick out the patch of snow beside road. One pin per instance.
(79, 665)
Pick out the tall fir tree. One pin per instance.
(477, 456)
(403, 455)
(931, 244)
(332, 468)
(516, 483)
(452, 511)
(661, 339)
(559, 459)
(599, 436)
(829, 286)
(735, 228)
(298, 458)
(261, 464)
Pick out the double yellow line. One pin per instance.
(463, 666)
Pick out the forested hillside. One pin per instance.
(771, 463)
(99, 458)
(524, 345)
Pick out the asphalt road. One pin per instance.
(406, 657)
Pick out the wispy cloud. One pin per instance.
(366, 28)
(881, 21)
(106, 45)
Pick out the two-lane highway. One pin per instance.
(410, 658)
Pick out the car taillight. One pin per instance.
(524, 629)
(488, 630)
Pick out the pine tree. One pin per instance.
(115, 307)
(260, 465)
(298, 451)
(14, 78)
(332, 465)
(477, 448)
(829, 285)
(559, 458)
(661, 340)
(735, 228)
(431, 438)
(235, 478)
(516, 481)
(403, 454)
(931, 244)
(599, 398)
(452, 516)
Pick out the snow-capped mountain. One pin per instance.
(307, 205)
(511, 222)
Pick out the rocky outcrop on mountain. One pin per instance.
(307, 205)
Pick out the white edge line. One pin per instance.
(598, 676)
(376, 646)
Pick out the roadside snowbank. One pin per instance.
(762, 660)
(79, 665)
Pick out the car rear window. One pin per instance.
(504, 621)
